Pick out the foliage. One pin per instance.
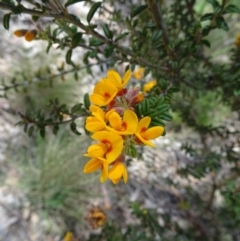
(192, 78)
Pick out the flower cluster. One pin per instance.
(116, 127)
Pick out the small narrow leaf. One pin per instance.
(232, 9)
(69, 56)
(6, 20)
(86, 101)
(138, 10)
(76, 39)
(93, 10)
(70, 2)
(108, 33)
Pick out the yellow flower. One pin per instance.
(110, 146)
(139, 73)
(68, 236)
(144, 134)
(148, 86)
(103, 93)
(125, 126)
(97, 121)
(117, 171)
(114, 78)
(93, 124)
(97, 163)
(237, 40)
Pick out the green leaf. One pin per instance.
(108, 51)
(11, 2)
(156, 35)
(76, 108)
(70, 2)
(76, 39)
(138, 10)
(30, 131)
(232, 9)
(220, 22)
(93, 10)
(108, 33)
(121, 36)
(73, 128)
(215, 3)
(206, 43)
(55, 129)
(166, 117)
(69, 56)
(86, 101)
(42, 132)
(207, 16)
(95, 42)
(6, 20)
(35, 18)
(206, 30)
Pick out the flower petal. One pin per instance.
(114, 77)
(153, 132)
(115, 152)
(125, 174)
(116, 181)
(92, 165)
(103, 93)
(126, 77)
(104, 173)
(97, 150)
(115, 121)
(143, 123)
(116, 171)
(144, 141)
(131, 121)
(95, 126)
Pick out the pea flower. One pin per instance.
(148, 86)
(110, 146)
(125, 126)
(97, 163)
(144, 134)
(117, 171)
(139, 73)
(103, 93)
(114, 78)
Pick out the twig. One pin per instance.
(26, 83)
(78, 23)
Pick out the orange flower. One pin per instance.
(20, 32)
(30, 35)
(144, 134)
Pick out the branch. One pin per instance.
(26, 83)
(156, 11)
(72, 19)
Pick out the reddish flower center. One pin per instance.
(108, 145)
(106, 95)
(124, 126)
